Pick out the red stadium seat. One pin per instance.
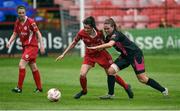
(153, 25)
(144, 3)
(131, 3)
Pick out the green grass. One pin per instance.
(65, 76)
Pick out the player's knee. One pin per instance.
(111, 71)
(83, 74)
(21, 65)
(143, 79)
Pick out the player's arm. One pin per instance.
(39, 35)
(12, 38)
(106, 45)
(72, 45)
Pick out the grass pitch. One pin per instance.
(64, 75)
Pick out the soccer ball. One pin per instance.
(53, 94)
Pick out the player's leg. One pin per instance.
(83, 80)
(22, 73)
(151, 82)
(36, 76)
(139, 68)
(119, 64)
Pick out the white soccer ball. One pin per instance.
(53, 94)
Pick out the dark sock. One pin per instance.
(155, 85)
(83, 82)
(111, 83)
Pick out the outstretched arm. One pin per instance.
(42, 50)
(106, 45)
(72, 45)
(12, 38)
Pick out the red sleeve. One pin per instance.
(33, 25)
(77, 37)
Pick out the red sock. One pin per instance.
(22, 73)
(37, 79)
(83, 82)
(121, 82)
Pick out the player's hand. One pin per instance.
(91, 47)
(42, 50)
(8, 45)
(60, 57)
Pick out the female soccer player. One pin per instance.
(28, 32)
(91, 36)
(131, 54)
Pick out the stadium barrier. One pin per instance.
(152, 41)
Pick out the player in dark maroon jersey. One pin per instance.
(29, 34)
(131, 54)
(91, 36)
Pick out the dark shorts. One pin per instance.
(136, 61)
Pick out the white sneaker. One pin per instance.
(108, 96)
(165, 93)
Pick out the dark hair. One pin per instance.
(111, 22)
(20, 7)
(90, 21)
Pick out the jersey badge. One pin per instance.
(26, 56)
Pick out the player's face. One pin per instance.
(21, 14)
(108, 29)
(88, 29)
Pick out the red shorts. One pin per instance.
(103, 58)
(30, 53)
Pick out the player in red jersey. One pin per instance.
(91, 36)
(131, 54)
(29, 34)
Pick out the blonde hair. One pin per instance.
(111, 22)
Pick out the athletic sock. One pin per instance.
(111, 84)
(83, 82)
(121, 82)
(155, 85)
(37, 79)
(22, 73)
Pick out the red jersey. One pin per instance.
(27, 32)
(89, 41)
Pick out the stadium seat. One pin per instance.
(128, 18)
(2, 16)
(140, 25)
(131, 3)
(177, 2)
(153, 25)
(9, 4)
(118, 3)
(144, 3)
(157, 2)
(128, 25)
(171, 3)
(101, 18)
(142, 18)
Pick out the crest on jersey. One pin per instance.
(25, 28)
(26, 56)
(113, 36)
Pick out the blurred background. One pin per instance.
(152, 24)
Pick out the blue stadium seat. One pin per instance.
(2, 17)
(11, 7)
